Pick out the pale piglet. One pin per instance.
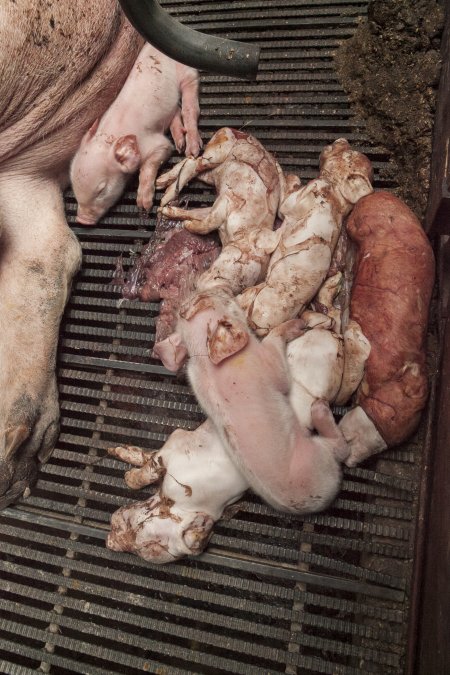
(249, 183)
(350, 355)
(312, 220)
(131, 134)
(243, 385)
(198, 480)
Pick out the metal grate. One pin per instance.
(273, 593)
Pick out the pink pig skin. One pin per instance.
(131, 134)
(243, 386)
(62, 64)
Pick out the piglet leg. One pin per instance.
(326, 296)
(190, 111)
(201, 220)
(151, 467)
(129, 453)
(174, 180)
(177, 132)
(178, 213)
(289, 330)
(168, 177)
(147, 175)
(325, 424)
(179, 176)
(356, 353)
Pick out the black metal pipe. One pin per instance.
(188, 46)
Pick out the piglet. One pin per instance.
(243, 385)
(131, 135)
(197, 481)
(312, 220)
(249, 183)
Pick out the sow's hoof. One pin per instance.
(28, 439)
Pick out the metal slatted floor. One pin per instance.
(273, 593)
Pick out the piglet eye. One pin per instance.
(101, 188)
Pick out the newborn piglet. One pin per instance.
(316, 358)
(244, 386)
(312, 220)
(390, 300)
(131, 135)
(248, 183)
(197, 481)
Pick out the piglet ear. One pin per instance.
(93, 129)
(196, 535)
(126, 153)
(227, 338)
(171, 351)
(355, 186)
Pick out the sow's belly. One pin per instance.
(62, 62)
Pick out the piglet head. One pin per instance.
(350, 171)
(99, 172)
(213, 319)
(158, 532)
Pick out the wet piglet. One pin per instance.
(390, 300)
(197, 481)
(249, 185)
(312, 220)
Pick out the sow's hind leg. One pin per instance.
(38, 258)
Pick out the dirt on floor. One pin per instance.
(390, 69)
